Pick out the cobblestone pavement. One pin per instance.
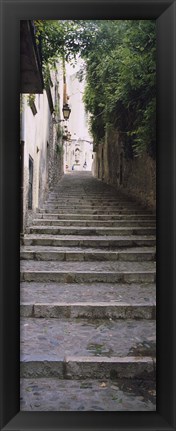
(88, 302)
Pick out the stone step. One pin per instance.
(95, 223)
(90, 206)
(132, 254)
(99, 310)
(129, 367)
(92, 276)
(88, 302)
(46, 394)
(90, 210)
(93, 217)
(87, 198)
(101, 194)
(88, 201)
(89, 266)
(37, 293)
(86, 241)
(70, 272)
(79, 230)
(74, 193)
(81, 349)
(91, 197)
(71, 210)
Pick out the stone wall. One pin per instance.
(137, 177)
(54, 164)
(140, 180)
(107, 159)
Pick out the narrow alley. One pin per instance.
(88, 301)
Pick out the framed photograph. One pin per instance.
(13, 416)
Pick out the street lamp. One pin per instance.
(66, 111)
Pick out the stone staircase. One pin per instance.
(88, 301)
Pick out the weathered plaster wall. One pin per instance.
(40, 143)
(36, 136)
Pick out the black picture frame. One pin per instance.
(164, 11)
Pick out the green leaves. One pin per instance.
(120, 67)
(121, 77)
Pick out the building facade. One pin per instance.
(78, 149)
(41, 155)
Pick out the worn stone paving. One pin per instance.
(101, 217)
(97, 223)
(53, 338)
(87, 266)
(75, 211)
(90, 395)
(33, 293)
(88, 299)
(85, 205)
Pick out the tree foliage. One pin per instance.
(66, 38)
(120, 63)
(121, 84)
